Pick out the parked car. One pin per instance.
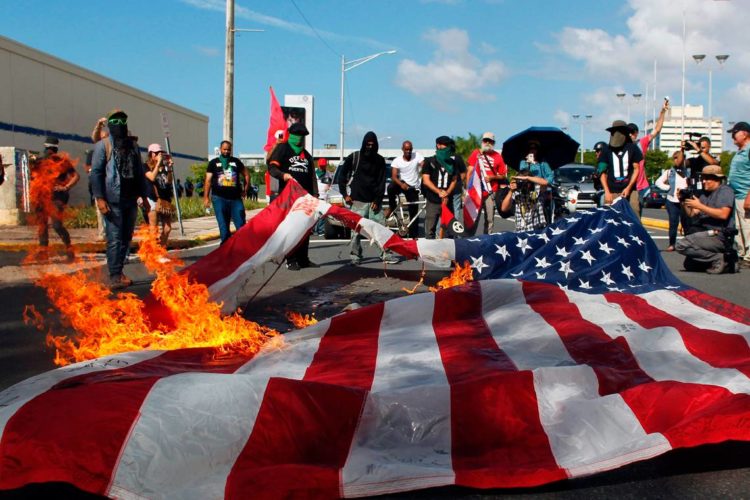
(654, 197)
(579, 177)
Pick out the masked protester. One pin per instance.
(291, 161)
(438, 183)
(224, 191)
(362, 182)
(119, 186)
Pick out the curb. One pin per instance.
(655, 223)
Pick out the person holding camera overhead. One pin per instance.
(673, 181)
(523, 199)
(641, 183)
(159, 173)
(703, 157)
(706, 236)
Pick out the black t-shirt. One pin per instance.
(620, 165)
(695, 165)
(226, 183)
(439, 177)
(162, 184)
(284, 160)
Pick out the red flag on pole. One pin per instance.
(276, 122)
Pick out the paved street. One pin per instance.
(710, 471)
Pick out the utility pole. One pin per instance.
(229, 75)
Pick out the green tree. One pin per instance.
(199, 170)
(656, 161)
(724, 160)
(464, 146)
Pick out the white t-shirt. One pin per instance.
(408, 171)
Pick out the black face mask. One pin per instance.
(118, 131)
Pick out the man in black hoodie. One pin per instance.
(363, 173)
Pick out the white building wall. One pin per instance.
(671, 133)
(42, 95)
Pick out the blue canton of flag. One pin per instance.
(598, 251)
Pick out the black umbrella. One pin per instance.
(555, 147)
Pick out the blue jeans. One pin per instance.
(226, 209)
(120, 223)
(673, 211)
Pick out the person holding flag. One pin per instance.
(491, 171)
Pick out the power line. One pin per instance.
(313, 29)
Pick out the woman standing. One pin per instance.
(160, 175)
(672, 181)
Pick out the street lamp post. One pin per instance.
(346, 66)
(636, 99)
(582, 119)
(722, 58)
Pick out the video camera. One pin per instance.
(691, 136)
(687, 193)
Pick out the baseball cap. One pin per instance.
(51, 142)
(739, 126)
(633, 128)
(488, 136)
(154, 148)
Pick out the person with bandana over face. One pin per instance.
(438, 183)
(619, 164)
(119, 186)
(223, 190)
(291, 161)
(363, 173)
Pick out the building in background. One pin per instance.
(43, 95)
(671, 133)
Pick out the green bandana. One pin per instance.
(443, 155)
(295, 142)
(224, 162)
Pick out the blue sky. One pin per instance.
(461, 65)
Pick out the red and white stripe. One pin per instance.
(492, 384)
(473, 202)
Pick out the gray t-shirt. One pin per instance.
(722, 197)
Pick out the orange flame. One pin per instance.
(105, 325)
(300, 320)
(459, 276)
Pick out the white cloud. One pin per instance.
(275, 22)
(453, 70)
(207, 51)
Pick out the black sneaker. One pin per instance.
(309, 263)
(293, 266)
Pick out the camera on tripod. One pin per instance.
(691, 136)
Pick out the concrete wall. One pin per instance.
(44, 95)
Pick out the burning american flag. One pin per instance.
(576, 352)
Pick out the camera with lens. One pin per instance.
(524, 185)
(692, 136)
(687, 193)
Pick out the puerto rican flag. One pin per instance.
(473, 202)
(576, 352)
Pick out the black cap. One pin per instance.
(739, 126)
(633, 128)
(599, 145)
(298, 129)
(51, 142)
(444, 140)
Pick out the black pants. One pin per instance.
(300, 253)
(57, 224)
(412, 196)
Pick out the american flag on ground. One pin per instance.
(550, 374)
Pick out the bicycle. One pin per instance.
(399, 219)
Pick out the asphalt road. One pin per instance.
(716, 471)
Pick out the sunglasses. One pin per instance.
(117, 121)
(488, 140)
(709, 178)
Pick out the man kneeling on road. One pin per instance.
(711, 213)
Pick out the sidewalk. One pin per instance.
(197, 231)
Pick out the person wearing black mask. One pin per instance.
(224, 191)
(619, 164)
(362, 182)
(119, 186)
(290, 160)
(438, 183)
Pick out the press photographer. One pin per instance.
(702, 151)
(710, 232)
(524, 201)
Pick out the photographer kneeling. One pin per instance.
(711, 223)
(523, 197)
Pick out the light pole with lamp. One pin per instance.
(636, 99)
(722, 58)
(582, 119)
(346, 66)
